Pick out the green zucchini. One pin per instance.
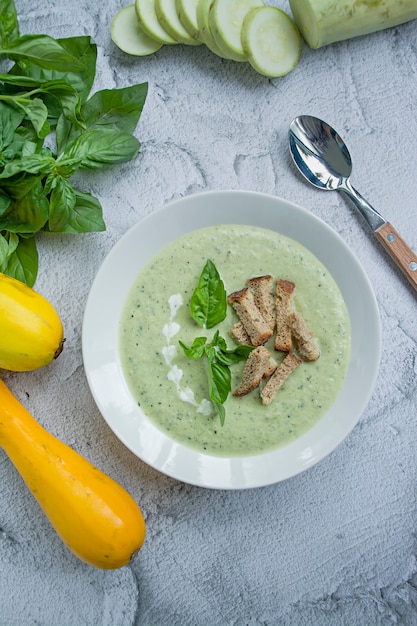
(322, 22)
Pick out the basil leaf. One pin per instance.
(57, 96)
(115, 109)
(18, 186)
(220, 381)
(32, 164)
(4, 249)
(94, 148)
(218, 341)
(5, 202)
(230, 357)
(43, 50)
(61, 203)
(37, 113)
(8, 244)
(84, 50)
(64, 133)
(86, 215)
(11, 139)
(10, 120)
(67, 99)
(109, 109)
(223, 354)
(196, 350)
(221, 412)
(9, 25)
(23, 262)
(29, 214)
(20, 81)
(208, 304)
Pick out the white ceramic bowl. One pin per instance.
(102, 361)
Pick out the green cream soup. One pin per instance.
(173, 390)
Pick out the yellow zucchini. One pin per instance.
(93, 515)
(31, 332)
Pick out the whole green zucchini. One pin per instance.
(322, 22)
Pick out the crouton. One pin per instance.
(307, 345)
(239, 334)
(250, 316)
(283, 306)
(256, 365)
(262, 289)
(271, 367)
(278, 378)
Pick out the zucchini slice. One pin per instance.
(187, 14)
(226, 19)
(146, 14)
(128, 35)
(204, 31)
(271, 41)
(167, 15)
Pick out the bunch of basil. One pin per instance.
(50, 129)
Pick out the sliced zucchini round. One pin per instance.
(187, 14)
(128, 35)
(204, 31)
(226, 19)
(167, 15)
(146, 14)
(271, 41)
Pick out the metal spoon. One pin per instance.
(324, 160)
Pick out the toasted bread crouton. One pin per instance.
(307, 345)
(271, 367)
(262, 289)
(278, 378)
(250, 316)
(256, 364)
(283, 308)
(239, 334)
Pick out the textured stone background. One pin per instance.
(334, 546)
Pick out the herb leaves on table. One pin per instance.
(44, 98)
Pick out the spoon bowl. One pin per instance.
(322, 157)
(319, 152)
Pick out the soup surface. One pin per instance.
(173, 391)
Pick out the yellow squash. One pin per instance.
(31, 333)
(94, 516)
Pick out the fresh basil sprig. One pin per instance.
(208, 307)
(45, 96)
(219, 358)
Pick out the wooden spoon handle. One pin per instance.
(399, 251)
